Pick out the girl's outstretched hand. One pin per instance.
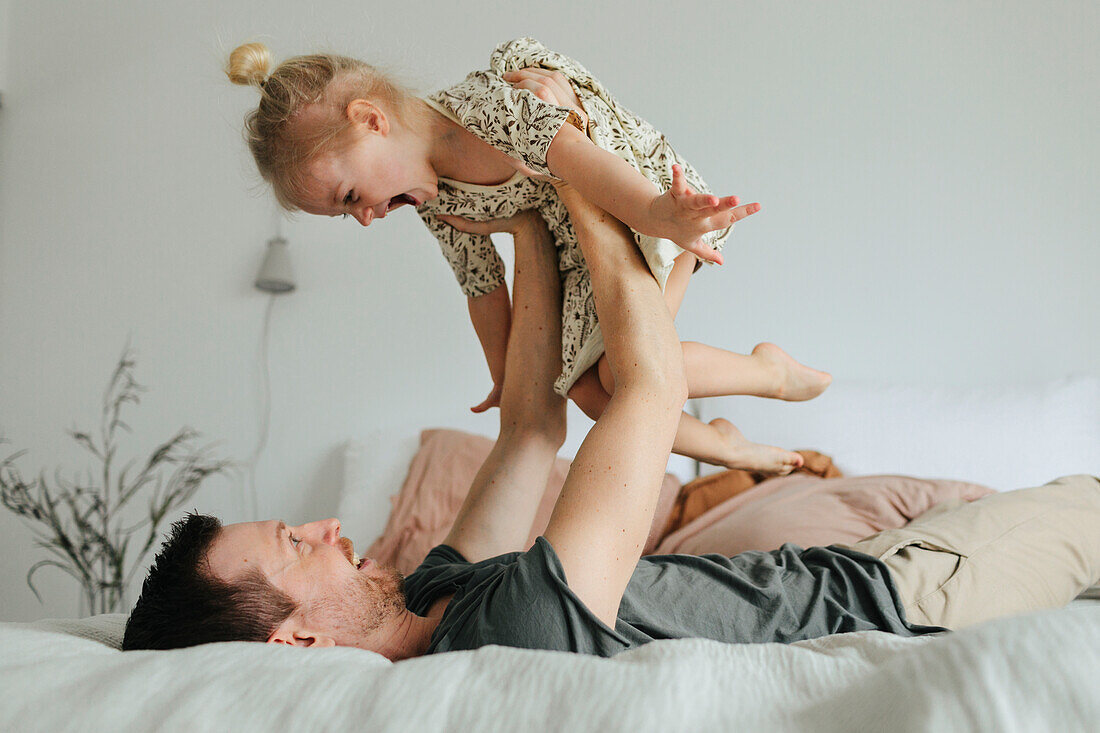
(684, 216)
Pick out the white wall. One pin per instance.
(927, 173)
(5, 25)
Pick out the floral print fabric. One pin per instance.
(521, 125)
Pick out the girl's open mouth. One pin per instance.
(401, 199)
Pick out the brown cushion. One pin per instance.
(701, 495)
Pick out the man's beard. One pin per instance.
(366, 602)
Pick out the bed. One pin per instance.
(1033, 672)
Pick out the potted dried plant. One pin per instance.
(81, 522)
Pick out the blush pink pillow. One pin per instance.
(811, 511)
(437, 483)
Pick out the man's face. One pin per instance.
(315, 566)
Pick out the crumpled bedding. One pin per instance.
(1027, 673)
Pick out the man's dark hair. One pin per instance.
(183, 603)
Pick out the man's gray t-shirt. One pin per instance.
(521, 599)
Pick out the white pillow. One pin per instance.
(375, 467)
(1004, 438)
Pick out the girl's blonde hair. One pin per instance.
(281, 139)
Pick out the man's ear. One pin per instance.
(362, 112)
(294, 633)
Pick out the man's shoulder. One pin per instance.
(446, 571)
(444, 553)
(440, 573)
(522, 600)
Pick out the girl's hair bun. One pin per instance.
(248, 64)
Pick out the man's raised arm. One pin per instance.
(602, 517)
(504, 497)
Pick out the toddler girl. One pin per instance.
(335, 136)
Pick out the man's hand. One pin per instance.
(549, 86)
(684, 216)
(524, 220)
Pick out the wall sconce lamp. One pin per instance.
(276, 274)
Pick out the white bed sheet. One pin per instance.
(1029, 673)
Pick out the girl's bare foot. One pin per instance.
(751, 456)
(795, 382)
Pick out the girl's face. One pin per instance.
(378, 167)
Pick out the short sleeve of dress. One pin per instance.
(473, 257)
(514, 121)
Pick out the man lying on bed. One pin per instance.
(583, 587)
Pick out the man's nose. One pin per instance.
(325, 530)
(365, 215)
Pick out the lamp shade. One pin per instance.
(276, 274)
